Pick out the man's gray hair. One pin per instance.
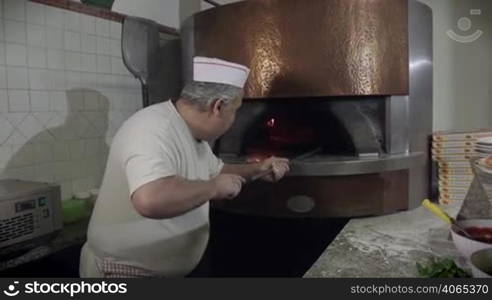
(204, 93)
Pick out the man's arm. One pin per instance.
(173, 196)
(271, 169)
(247, 171)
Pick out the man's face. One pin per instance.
(223, 115)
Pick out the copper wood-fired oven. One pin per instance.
(342, 87)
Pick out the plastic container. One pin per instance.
(74, 210)
(481, 262)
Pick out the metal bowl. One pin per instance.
(481, 262)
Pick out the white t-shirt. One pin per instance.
(153, 143)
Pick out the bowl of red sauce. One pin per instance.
(481, 234)
(480, 231)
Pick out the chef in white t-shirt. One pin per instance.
(151, 216)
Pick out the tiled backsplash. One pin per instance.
(64, 91)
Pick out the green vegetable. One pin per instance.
(441, 268)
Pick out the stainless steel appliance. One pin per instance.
(348, 81)
(30, 212)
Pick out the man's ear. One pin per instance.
(217, 106)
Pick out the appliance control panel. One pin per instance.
(28, 215)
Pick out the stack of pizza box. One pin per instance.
(452, 152)
(484, 151)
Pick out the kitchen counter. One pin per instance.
(387, 246)
(72, 234)
(390, 246)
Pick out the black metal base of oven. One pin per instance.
(253, 246)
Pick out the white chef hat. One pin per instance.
(216, 70)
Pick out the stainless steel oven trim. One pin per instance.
(421, 96)
(397, 124)
(342, 166)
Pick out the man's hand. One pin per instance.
(277, 166)
(228, 186)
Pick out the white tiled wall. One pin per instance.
(64, 91)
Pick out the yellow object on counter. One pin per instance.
(437, 211)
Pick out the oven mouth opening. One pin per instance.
(337, 128)
(290, 135)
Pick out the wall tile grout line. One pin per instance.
(54, 103)
(98, 13)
